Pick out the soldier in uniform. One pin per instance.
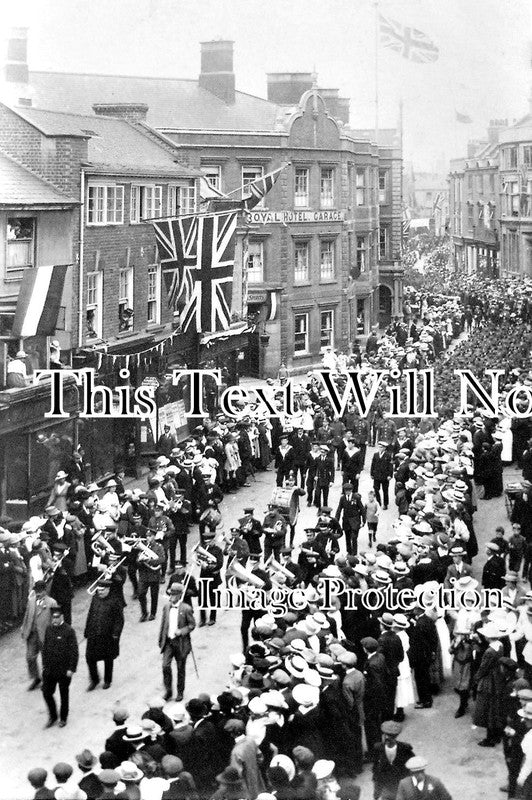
(329, 532)
(312, 558)
(150, 565)
(360, 431)
(312, 466)
(324, 477)
(251, 530)
(210, 569)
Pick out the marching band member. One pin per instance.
(211, 564)
(150, 566)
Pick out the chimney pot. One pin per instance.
(217, 73)
(286, 88)
(132, 112)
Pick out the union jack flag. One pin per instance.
(254, 192)
(177, 244)
(408, 42)
(208, 307)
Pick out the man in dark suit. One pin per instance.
(458, 569)
(391, 647)
(422, 652)
(352, 464)
(419, 785)
(354, 516)
(389, 767)
(203, 748)
(177, 623)
(300, 442)
(59, 662)
(494, 570)
(36, 621)
(115, 742)
(90, 783)
(324, 477)
(381, 472)
(376, 676)
(103, 628)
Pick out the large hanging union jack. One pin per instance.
(208, 306)
(177, 244)
(408, 42)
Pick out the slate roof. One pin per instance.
(20, 187)
(171, 102)
(113, 143)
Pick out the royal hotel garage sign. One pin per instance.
(292, 215)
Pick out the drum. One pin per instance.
(287, 500)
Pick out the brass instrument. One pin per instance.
(246, 576)
(108, 573)
(308, 552)
(211, 517)
(100, 546)
(50, 571)
(205, 558)
(276, 566)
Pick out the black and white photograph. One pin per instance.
(266, 400)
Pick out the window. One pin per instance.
(213, 174)
(326, 261)
(527, 155)
(361, 187)
(255, 262)
(383, 241)
(301, 196)
(489, 213)
(383, 186)
(93, 309)
(182, 199)
(301, 333)
(249, 175)
(301, 260)
(326, 329)
(527, 200)
(105, 205)
(511, 157)
(154, 295)
(470, 216)
(492, 183)
(361, 254)
(327, 187)
(146, 202)
(513, 188)
(20, 243)
(125, 299)
(480, 210)
(469, 182)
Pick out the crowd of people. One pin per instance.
(323, 689)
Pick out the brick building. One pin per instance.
(475, 206)
(323, 250)
(515, 170)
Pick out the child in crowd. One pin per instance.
(372, 517)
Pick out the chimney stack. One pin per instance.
(338, 107)
(16, 89)
(286, 88)
(132, 112)
(494, 127)
(217, 75)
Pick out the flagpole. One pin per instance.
(376, 6)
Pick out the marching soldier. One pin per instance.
(329, 532)
(284, 459)
(211, 565)
(274, 527)
(251, 530)
(179, 514)
(150, 565)
(312, 466)
(312, 558)
(324, 477)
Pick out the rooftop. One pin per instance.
(19, 187)
(112, 143)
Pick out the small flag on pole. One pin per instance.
(39, 301)
(464, 118)
(254, 192)
(410, 43)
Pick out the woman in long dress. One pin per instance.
(404, 695)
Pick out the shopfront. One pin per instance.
(33, 447)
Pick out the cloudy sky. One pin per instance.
(483, 69)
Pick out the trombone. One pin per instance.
(50, 571)
(108, 573)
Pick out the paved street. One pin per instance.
(449, 744)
